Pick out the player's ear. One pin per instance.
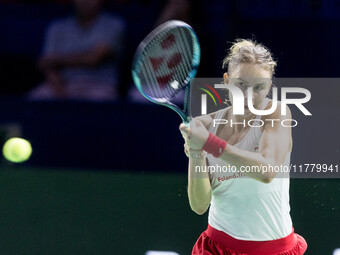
(226, 78)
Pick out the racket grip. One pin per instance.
(186, 121)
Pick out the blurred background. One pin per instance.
(108, 173)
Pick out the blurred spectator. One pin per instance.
(175, 9)
(80, 58)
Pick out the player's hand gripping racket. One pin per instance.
(164, 64)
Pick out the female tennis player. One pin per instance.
(249, 210)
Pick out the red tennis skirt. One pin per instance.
(215, 242)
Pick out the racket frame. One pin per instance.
(195, 63)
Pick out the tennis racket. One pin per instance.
(164, 64)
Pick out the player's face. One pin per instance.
(250, 75)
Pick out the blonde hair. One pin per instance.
(248, 52)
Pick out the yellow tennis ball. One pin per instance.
(17, 150)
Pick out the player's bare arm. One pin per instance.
(199, 188)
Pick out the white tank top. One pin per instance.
(244, 208)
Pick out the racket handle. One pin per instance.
(186, 121)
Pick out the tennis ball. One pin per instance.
(17, 150)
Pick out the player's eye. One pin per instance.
(241, 84)
(259, 87)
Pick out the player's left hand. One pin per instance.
(196, 135)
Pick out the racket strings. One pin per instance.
(149, 85)
(165, 70)
(163, 75)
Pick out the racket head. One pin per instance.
(165, 62)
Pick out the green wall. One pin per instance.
(53, 211)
